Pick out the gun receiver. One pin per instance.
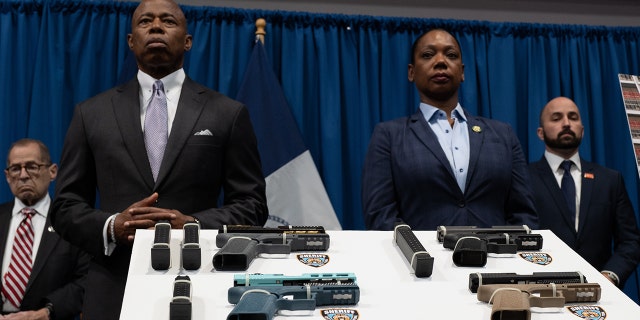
(513, 301)
(160, 251)
(478, 279)
(442, 231)
(241, 244)
(262, 301)
(421, 261)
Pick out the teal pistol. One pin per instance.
(261, 296)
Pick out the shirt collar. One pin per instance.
(555, 160)
(429, 111)
(42, 206)
(171, 82)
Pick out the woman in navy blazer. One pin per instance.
(441, 165)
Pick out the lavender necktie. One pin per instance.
(155, 127)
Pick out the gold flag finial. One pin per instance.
(260, 25)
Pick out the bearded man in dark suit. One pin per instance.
(596, 219)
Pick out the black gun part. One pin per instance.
(477, 279)
(160, 251)
(421, 261)
(180, 306)
(442, 231)
(191, 253)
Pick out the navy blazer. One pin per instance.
(211, 149)
(407, 177)
(607, 236)
(58, 273)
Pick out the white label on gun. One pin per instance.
(342, 296)
(583, 294)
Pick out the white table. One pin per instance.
(387, 289)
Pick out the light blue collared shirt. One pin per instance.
(453, 140)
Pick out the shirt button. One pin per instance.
(461, 170)
(447, 131)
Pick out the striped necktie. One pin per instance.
(17, 276)
(155, 128)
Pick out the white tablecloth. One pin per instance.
(387, 288)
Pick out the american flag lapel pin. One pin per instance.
(589, 175)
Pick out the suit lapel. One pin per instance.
(423, 132)
(586, 191)
(5, 219)
(190, 107)
(476, 140)
(47, 243)
(126, 107)
(552, 187)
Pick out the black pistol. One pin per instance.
(241, 244)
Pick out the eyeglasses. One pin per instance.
(31, 167)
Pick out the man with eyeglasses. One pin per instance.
(42, 274)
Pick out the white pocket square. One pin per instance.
(204, 132)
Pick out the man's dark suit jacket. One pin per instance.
(407, 177)
(608, 236)
(58, 272)
(211, 147)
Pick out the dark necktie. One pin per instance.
(568, 187)
(17, 276)
(155, 128)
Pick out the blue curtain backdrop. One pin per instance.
(341, 75)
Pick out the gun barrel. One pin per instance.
(442, 231)
(280, 243)
(324, 295)
(260, 279)
(478, 279)
(279, 229)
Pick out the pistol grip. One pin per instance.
(255, 306)
(511, 304)
(236, 255)
(470, 252)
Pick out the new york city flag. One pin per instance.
(295, 192)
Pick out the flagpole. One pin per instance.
(260, 25)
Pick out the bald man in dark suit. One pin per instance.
(597, 219)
